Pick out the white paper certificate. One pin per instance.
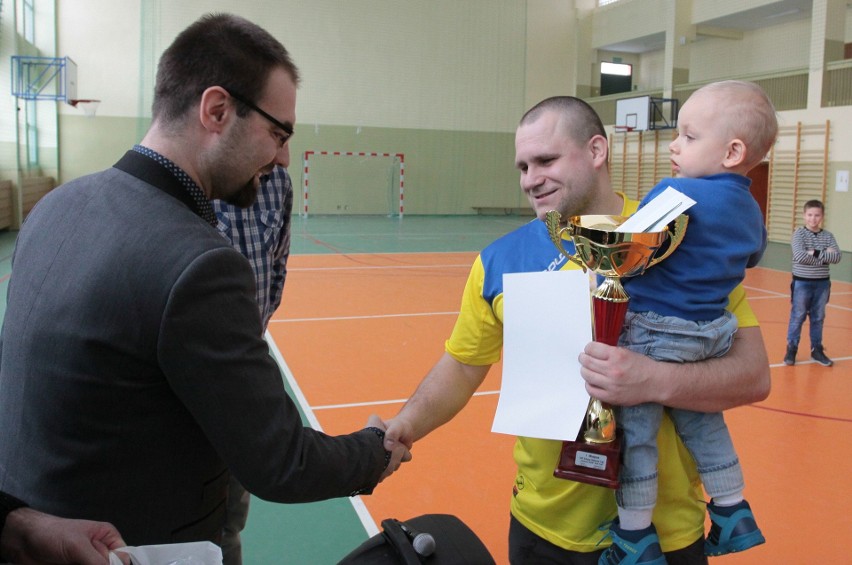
(547, 322)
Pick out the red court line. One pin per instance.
(794, 413)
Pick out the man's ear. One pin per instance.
(599, 149)
(735, 154)
(215, 109)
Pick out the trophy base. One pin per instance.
(590, 463)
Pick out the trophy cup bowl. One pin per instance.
(595, 456)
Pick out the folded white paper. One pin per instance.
(547, 322)
(190, 553)
(657, 213)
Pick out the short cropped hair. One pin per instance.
(749, 115)
(581, 121)
(813, 204)
(217, 50)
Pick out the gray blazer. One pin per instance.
(133, 375)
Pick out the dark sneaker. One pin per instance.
(632, 547)
(790, 357)
(818, 355)
(733, 529)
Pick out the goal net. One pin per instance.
(352, 183)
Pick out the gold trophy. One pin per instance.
(595, 456)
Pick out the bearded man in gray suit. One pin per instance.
(133, 375)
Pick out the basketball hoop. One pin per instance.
(89, 107)
(623, 129)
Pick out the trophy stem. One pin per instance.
(600, 422)
(609, 306)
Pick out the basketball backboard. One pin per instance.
(44, 78)
(642, 113)
(632, 113)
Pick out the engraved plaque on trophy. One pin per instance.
(595, 456)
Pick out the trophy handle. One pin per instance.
(675, 237)
(551, 220)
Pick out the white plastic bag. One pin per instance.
(193, 553)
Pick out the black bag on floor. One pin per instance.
(439, 539)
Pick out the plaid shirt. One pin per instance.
(262, 234)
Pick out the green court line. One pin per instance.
(313, 533)
(412, 234)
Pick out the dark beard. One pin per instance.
(244, 197)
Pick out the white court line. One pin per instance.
(810, 362)
(357, 503)
(405, 236)
(787, 297)
(380, 267)
(772, 292)
(775, 295)
(370, 317)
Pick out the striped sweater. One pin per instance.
(805, 264)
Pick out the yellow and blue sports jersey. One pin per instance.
(563, 512)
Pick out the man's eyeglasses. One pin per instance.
(286, 128)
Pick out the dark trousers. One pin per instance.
(526, 548)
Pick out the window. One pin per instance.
(32, 134)
(29, 21)
(30, 110)
(616, 77)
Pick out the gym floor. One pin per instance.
(367, 306)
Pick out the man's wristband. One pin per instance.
(8, 504)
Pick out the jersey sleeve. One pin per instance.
(739, 307)
(477, 337)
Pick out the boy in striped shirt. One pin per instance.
(814, 249)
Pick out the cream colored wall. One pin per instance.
(8, 159)
(848, 24)
(441, 64)
(703, 10)
(838, 204)
(651, 69)
(621, 22)
(443, 82)
(551, 64)
(766, 50)
(103, 38)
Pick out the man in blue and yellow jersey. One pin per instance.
(561, 152)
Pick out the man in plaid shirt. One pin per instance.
(262, 234)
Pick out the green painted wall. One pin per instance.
(446, 172)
